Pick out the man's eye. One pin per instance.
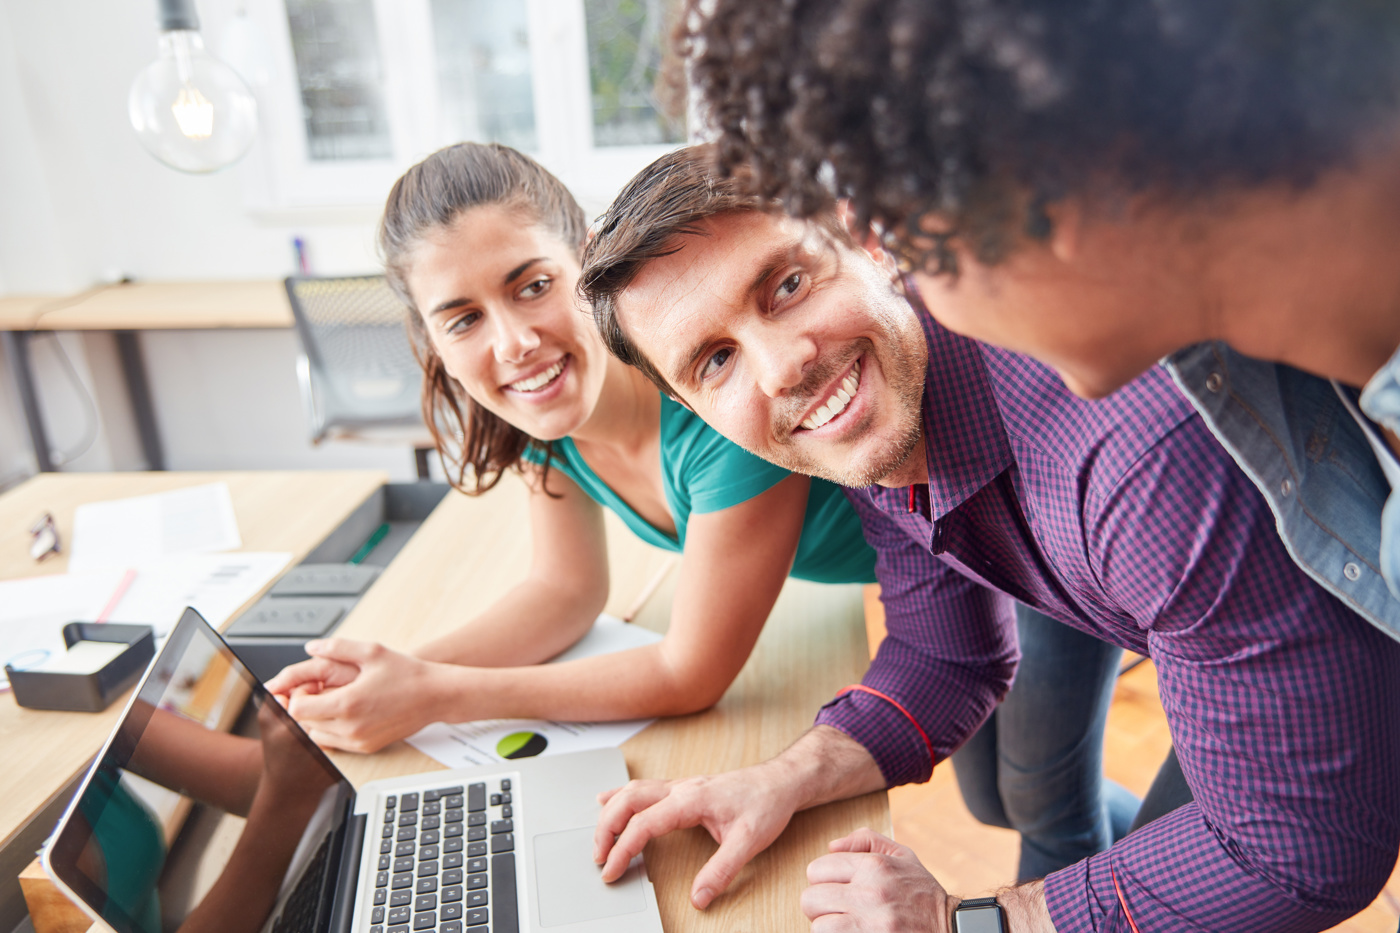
(789, 286)
(536, 288)
(464, 322)
(715, 362)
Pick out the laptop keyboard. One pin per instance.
(447, 862)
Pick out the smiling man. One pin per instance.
(1120, 518)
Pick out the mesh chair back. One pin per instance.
(361, 371)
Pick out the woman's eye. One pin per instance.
(464, 322)
(715, 362)
(536, 288)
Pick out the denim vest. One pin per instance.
(1296, 440)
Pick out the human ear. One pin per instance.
(1066, 235)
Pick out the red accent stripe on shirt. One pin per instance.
(1122, 902)
(912, 508)
(896, 704)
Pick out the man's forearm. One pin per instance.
(825, 765)
(1023, 905)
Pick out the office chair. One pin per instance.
(359, 379)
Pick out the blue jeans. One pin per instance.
(1036, 766)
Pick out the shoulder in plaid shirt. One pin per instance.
(1126, 519)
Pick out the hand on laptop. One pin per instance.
(743, 810)
(358, 696)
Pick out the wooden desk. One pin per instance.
(126, 309)
(814, 644)
(43, 750)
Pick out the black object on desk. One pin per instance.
(87, 692)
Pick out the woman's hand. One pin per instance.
(360, 696)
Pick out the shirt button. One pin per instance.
(1214, 382)
(1352, 572)
(1286, 487)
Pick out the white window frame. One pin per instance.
(279, 177)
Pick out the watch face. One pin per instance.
(978, 920)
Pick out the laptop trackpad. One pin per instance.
(570, 887)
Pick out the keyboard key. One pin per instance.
(431, 822)
(377, 916)
(387, 832)
(454, 926)
(451, 912)
(453, 791)
(452, 816)
(431, 808)
(475, 834)
(427, 868)
(405, 834)
(452, 894)
(452, 845)
(391, 801)
(426, 886)
(403, 928)
(404, 863)
(405, 848)
(400, 915)
(475, 865)
(425, 902)
(495, 800)
(380, 896)
(475, 849)
(476, 797)
(505, 797)
(452, 860)
(478, 930)
(409, 802)
(507, 812)
(452, 876)
(503, 893)
(381, 879)
(505, 842)
(390, 816)
(480, 915)
(400, 898)
(425, 921)
(428, 852)
(404, 880)
(386, 847)
(475, 881)
(408, 819)
(452, 801)
(429, 837)
(502, 826)
(505, 783)
(384, 863)
(451, 830)
(476, 819)
(376, 929)
(476, 898)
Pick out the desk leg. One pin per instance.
(134, 369)
(17, 350)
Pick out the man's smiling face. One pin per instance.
(793, 346)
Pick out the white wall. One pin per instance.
(81, 202)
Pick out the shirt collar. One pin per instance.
(1380, 400)
(964, 435)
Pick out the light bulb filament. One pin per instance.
(193, 113)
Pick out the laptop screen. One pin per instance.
(209, 810)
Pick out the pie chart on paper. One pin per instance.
(521, 745)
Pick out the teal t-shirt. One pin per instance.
(704, 472)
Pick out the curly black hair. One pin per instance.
(964, 118)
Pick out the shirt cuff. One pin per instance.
(885, 732)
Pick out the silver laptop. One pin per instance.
(209, 809)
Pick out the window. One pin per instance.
(361, 89)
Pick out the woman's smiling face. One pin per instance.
(496, 293)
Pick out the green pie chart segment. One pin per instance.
(521, 745)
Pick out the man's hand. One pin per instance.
(873, 884)
(359, 696)
(743, 810)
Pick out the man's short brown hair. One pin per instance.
(667, 199)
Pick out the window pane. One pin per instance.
(636, 99)
(484, 81)
(337, 55)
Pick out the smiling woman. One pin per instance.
(484, 245)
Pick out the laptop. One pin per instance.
(209, 809)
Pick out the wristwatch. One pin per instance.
(979, 915)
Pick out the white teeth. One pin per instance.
(837, 403)
(538, 382)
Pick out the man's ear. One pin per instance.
(866, 239)
(1067, 221)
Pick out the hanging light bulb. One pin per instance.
(190, 110)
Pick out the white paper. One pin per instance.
(464, 744)
(145, 530)
(84, 657)
(33, 612)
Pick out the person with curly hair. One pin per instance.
(1101, 185)
(985, 480)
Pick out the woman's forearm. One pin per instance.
(532, 623)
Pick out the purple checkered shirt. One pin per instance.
(1126, 519)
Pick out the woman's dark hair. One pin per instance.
(433, 195)
(971, 115)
